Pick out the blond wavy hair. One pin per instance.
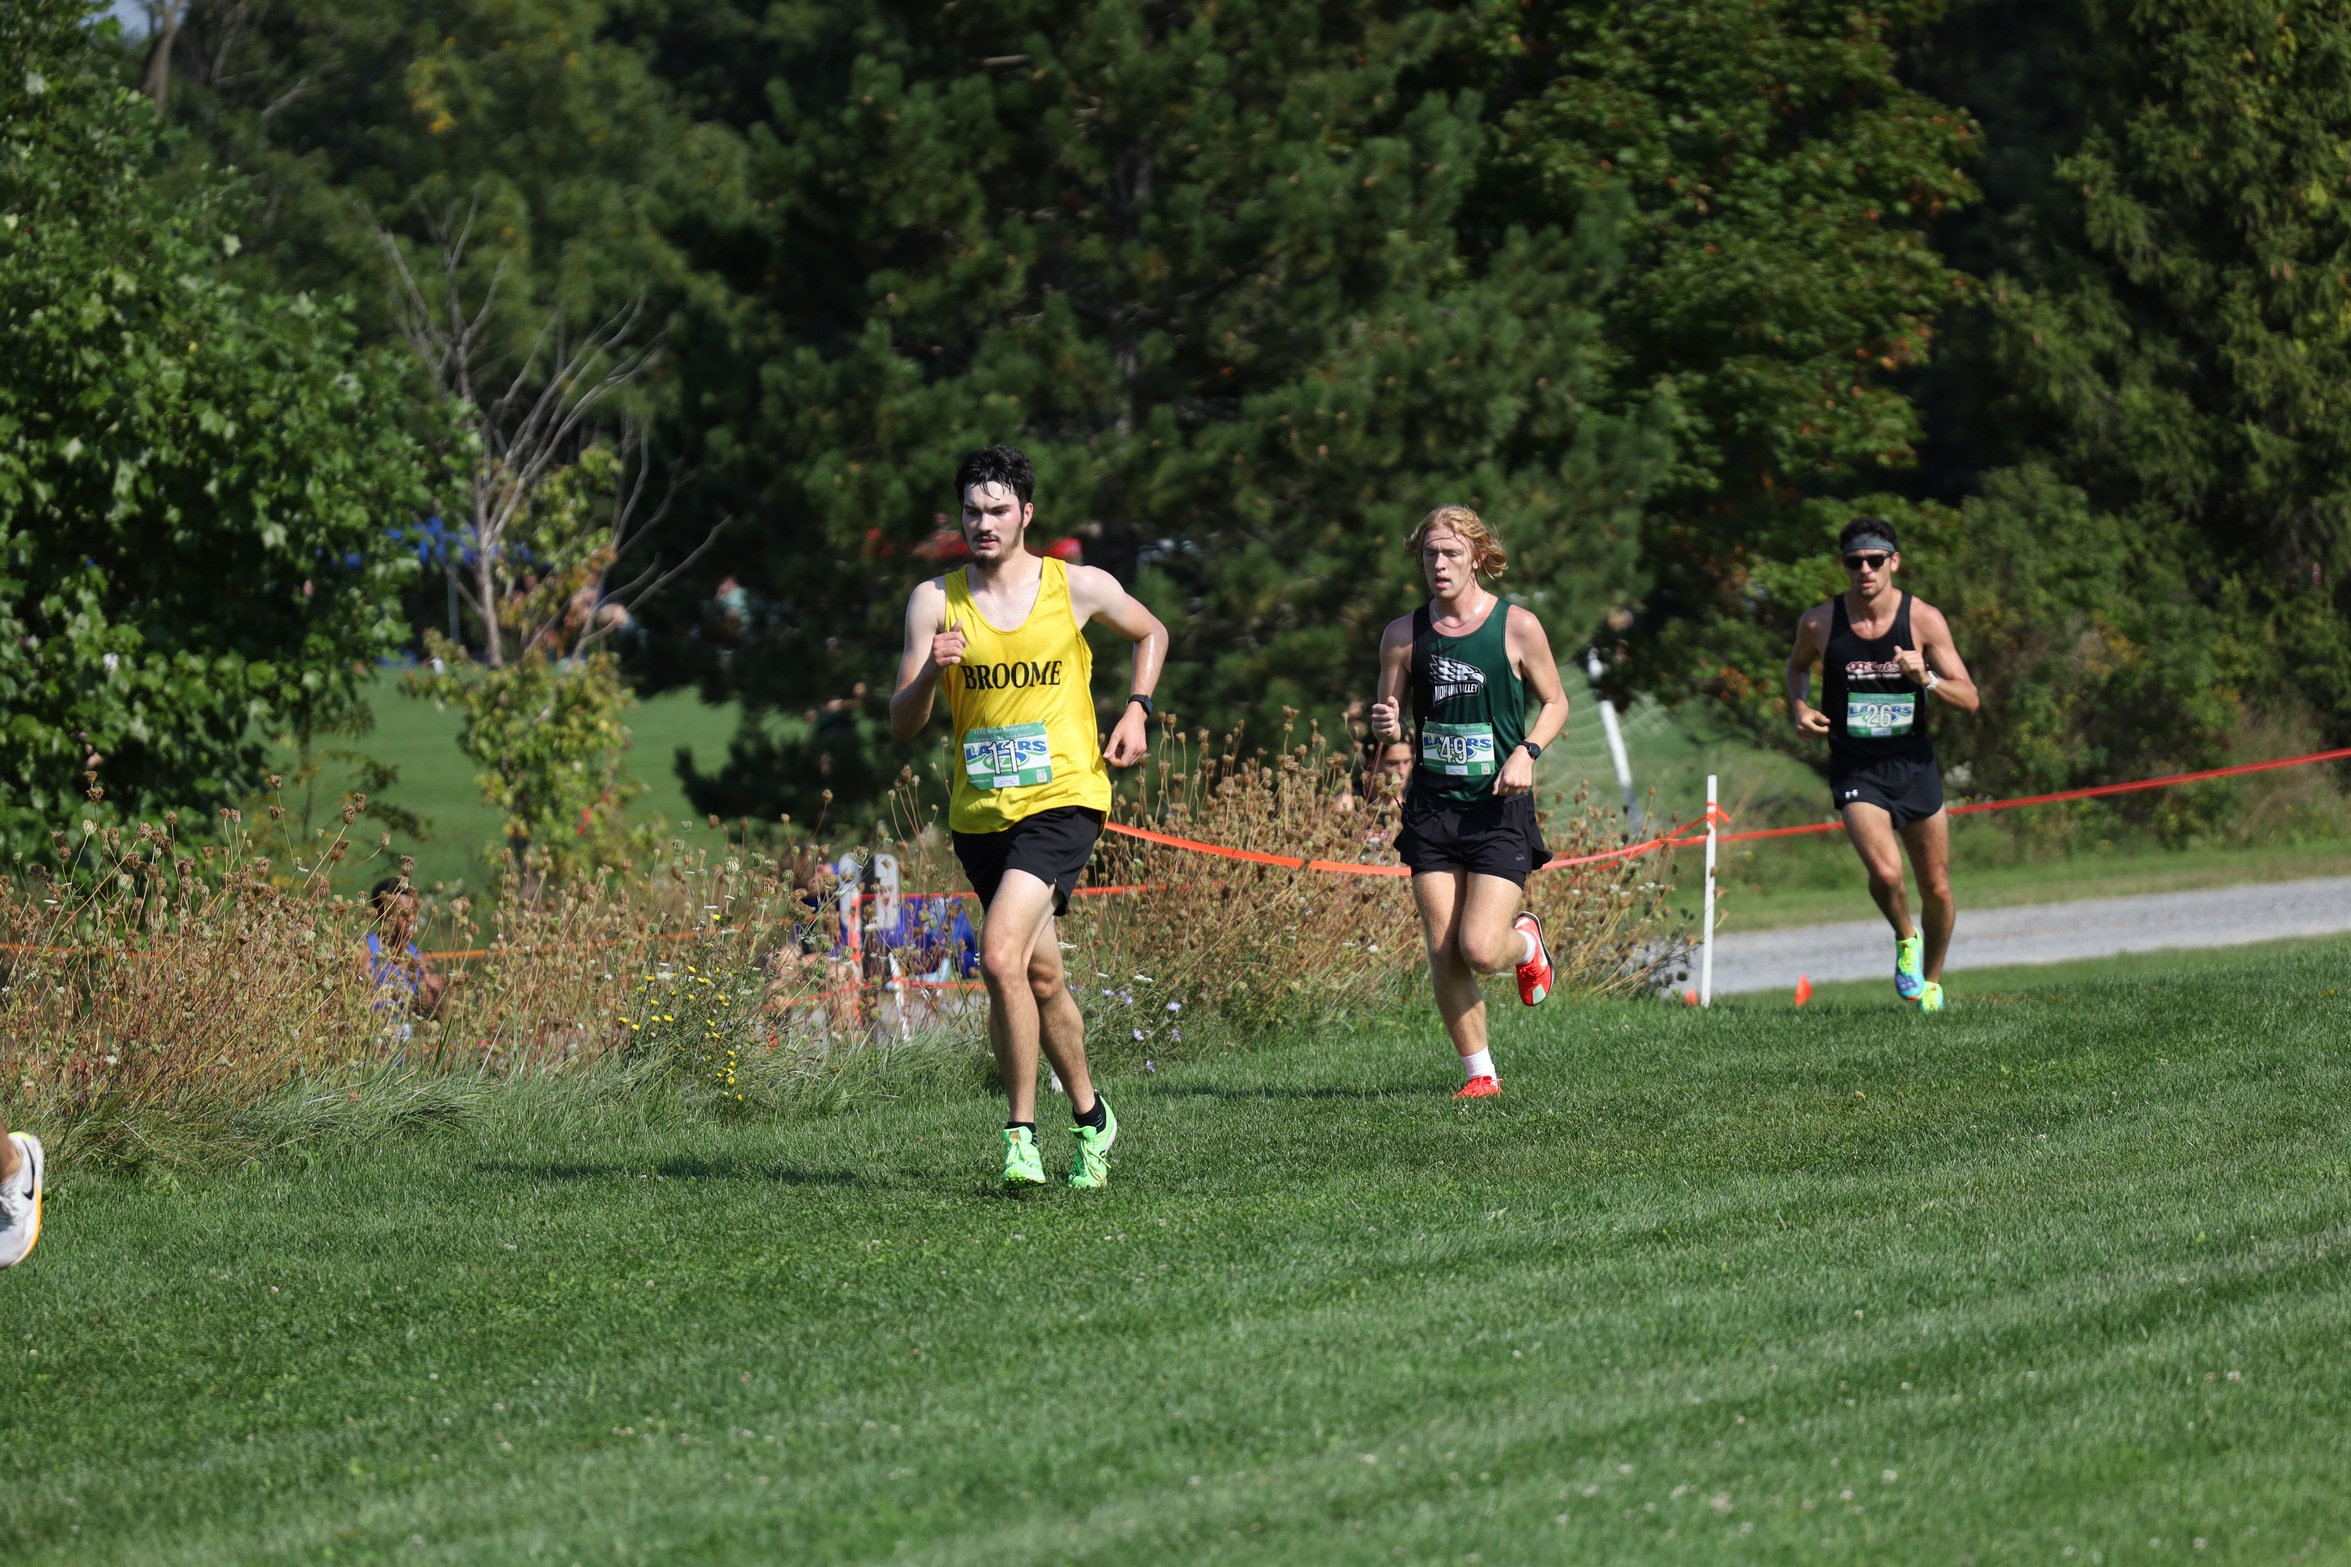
(1487, 558)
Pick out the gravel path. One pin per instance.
(2040, 933)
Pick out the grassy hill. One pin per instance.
(2062, 1271)
(437, 780)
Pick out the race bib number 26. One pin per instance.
(1009, 758)
(1458, 750)
(1879, 715)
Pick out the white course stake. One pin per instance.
(1615, 734)
(1706, 945)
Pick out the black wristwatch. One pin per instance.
(1148, 710)
(1532, 750)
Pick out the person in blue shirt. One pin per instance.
(393, 962)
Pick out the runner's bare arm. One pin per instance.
(1812, 639)
(1937, 651)
(1530, 650)
(1387, 708)
(1097, 595)
(931, 645)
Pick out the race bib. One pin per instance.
(1009, 758)
(1458, 750)
(1880, 715)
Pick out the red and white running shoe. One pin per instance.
(1534, 979)
(1479, 1088)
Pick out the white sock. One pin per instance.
(1479, 1065)
(1534, 948)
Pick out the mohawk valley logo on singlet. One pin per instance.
(1450, 677)
(1866, 669)
(1018, 675)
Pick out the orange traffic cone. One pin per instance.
(1803, 990)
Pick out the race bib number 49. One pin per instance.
(1458, 750)
(1009, 758)
(1880, 715)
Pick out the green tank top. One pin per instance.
(1469, 708)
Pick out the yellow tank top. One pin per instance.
(1023, 706)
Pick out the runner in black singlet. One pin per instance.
(1884, 656)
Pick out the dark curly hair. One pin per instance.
(1005, 465)
(1867, 527)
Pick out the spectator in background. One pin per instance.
(393, 962)
(733, 604)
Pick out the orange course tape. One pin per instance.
(1357, 868)
(2094, 791)
(1677, 837)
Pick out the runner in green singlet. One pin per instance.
(1469, 831)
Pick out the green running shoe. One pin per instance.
(1023, 1164)
(1090, 1170)
(1909, 966)
(1930, 998)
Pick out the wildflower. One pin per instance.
(1175, 1006)
(1138, 1035)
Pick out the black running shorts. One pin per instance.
(1905, 788)
(1052, 846)
(1491, 837)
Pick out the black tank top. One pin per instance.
(1875, 712)
(1469, 708)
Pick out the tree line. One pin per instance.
(1669, 291)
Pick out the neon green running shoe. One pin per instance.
(1930, 998)
(1090, 1170)
(1023, 1164)
(1909, 966)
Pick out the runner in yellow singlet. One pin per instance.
(1006, 636)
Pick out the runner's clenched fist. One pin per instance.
(947, 646)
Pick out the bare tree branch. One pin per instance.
(541, 416)
(164, 17)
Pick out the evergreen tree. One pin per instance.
(2168, 255)
(1204, 263)
(1781, 284)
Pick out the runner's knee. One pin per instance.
(1487, 954)
(1002, 964)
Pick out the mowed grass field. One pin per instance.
(2058, 1277)
(437, 781)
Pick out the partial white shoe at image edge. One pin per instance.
(20, 1202)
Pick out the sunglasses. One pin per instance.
(1866, 562)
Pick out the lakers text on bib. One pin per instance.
(1009, 758)
(1880, 715)
(1458, 750)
